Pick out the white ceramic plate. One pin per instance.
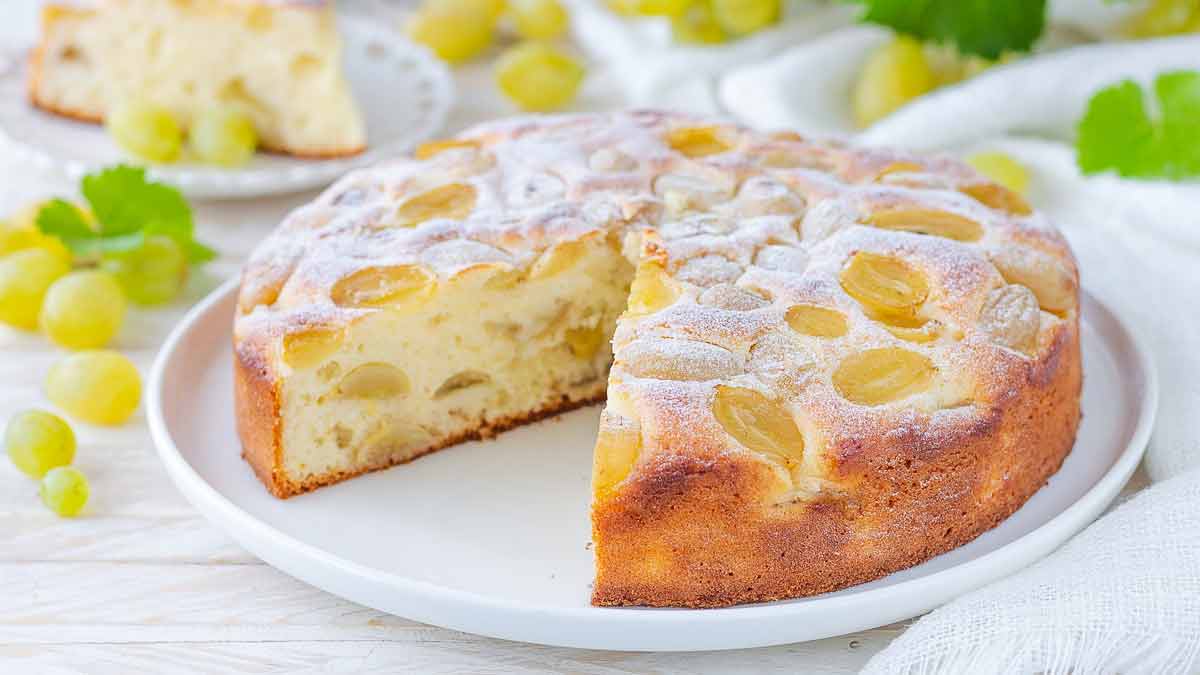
(403, 91)
(492, 537)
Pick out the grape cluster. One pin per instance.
(221, 135)
(904, 69)
(78, 309)
(534, 73)
(706, 21)
(79, 303)
(42, 446)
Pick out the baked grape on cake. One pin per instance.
(278, 60)
(827, 363)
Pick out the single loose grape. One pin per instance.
(742, 17)
(660, 7)
(65, 491)
(223, 135)
(1165, 17)
(893, 75)
(20, 232)
(38, 441)
(97, 386)
(24, 278)
(538, 77)
(697, 25)
(1001, 168)
(623, 7)
(147, 131)
(538, 19)
(456, 31)
(151, 274)
(83, 310)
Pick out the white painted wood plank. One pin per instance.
(432, 657)
(187, 538)
(61, 615)
(124, 476)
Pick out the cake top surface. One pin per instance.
(867, 293)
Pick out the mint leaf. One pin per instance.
(984, 27)
(1117, 132)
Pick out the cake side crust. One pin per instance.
(692, 533)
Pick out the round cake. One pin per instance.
(821, 363)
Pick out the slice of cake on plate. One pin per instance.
(828, 363)
(279, 61)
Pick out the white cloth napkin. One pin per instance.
(1123, 596)
(653, 70)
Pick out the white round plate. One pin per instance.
(403, 91)
(492, 537)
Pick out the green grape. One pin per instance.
(456, 31)
(38, 441)
(660, 7)
(20, 232)
(893, 75)
(1001, 168)
(14, 238)
(697, 25)
(742, 17)
(97, 386)
(623, 7)
(1166, 17)
(151, 274)
(538, 19)
(146, 131)
(223, 135)
(83, 310)
(65, 491)
(538, 77)
(24, 278)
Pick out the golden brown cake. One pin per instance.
(830, 363)
(279, 60)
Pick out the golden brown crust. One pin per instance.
(331, 153)
(692, 533)
(256, 404)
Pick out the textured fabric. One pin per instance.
(1124, 595)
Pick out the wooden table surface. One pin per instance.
(143, 583)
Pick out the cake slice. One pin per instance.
(278, 61)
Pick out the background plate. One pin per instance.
(492, 537)
(403, 91)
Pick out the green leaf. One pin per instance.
(1179, 98)
(198, 253)
(984, 27)
(127, 209)
(61, 219)
(124, 201)
(1117, 132)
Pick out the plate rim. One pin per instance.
(202, 182)
(619, 628)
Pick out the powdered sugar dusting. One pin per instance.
(744, 235)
